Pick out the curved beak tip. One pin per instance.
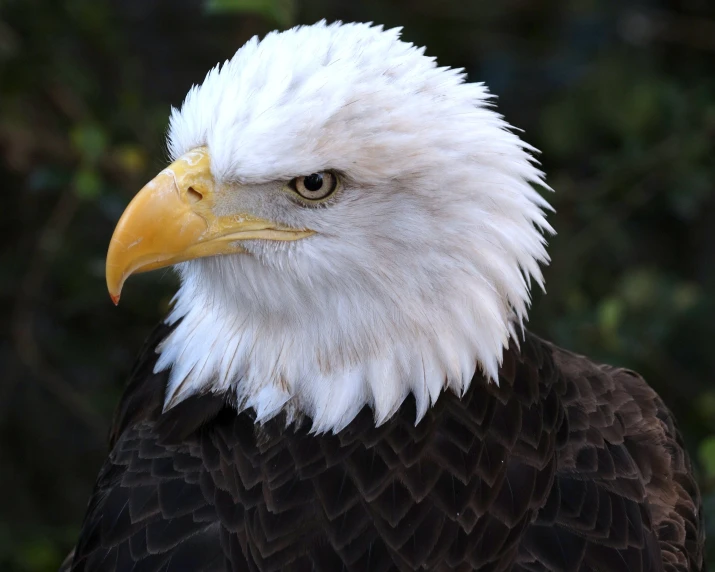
(115, 299)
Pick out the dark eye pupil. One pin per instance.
(313, 182)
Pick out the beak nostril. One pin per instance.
(194, 195)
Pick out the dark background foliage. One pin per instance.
(619, 96)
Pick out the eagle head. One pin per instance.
(351, 224)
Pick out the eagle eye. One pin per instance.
(316, 186)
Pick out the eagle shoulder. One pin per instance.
(624, 495)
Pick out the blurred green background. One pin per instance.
(619, 96)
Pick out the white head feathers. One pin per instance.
(419, 265)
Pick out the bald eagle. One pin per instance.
(344, 381)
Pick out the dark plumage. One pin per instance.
(566, 465)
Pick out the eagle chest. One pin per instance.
(457, 490)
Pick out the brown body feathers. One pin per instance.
(566, 465)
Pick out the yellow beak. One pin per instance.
(172, 220)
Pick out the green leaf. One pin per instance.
(282, 12)
(705, 406)
(562, 128)
(87, 183)
(685, 296)
(610, 312)
(639, 287)
(610, 316)
(131, 157)
(38, 554)
(706, 454)
(89, 140)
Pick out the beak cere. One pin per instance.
(172, 220)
